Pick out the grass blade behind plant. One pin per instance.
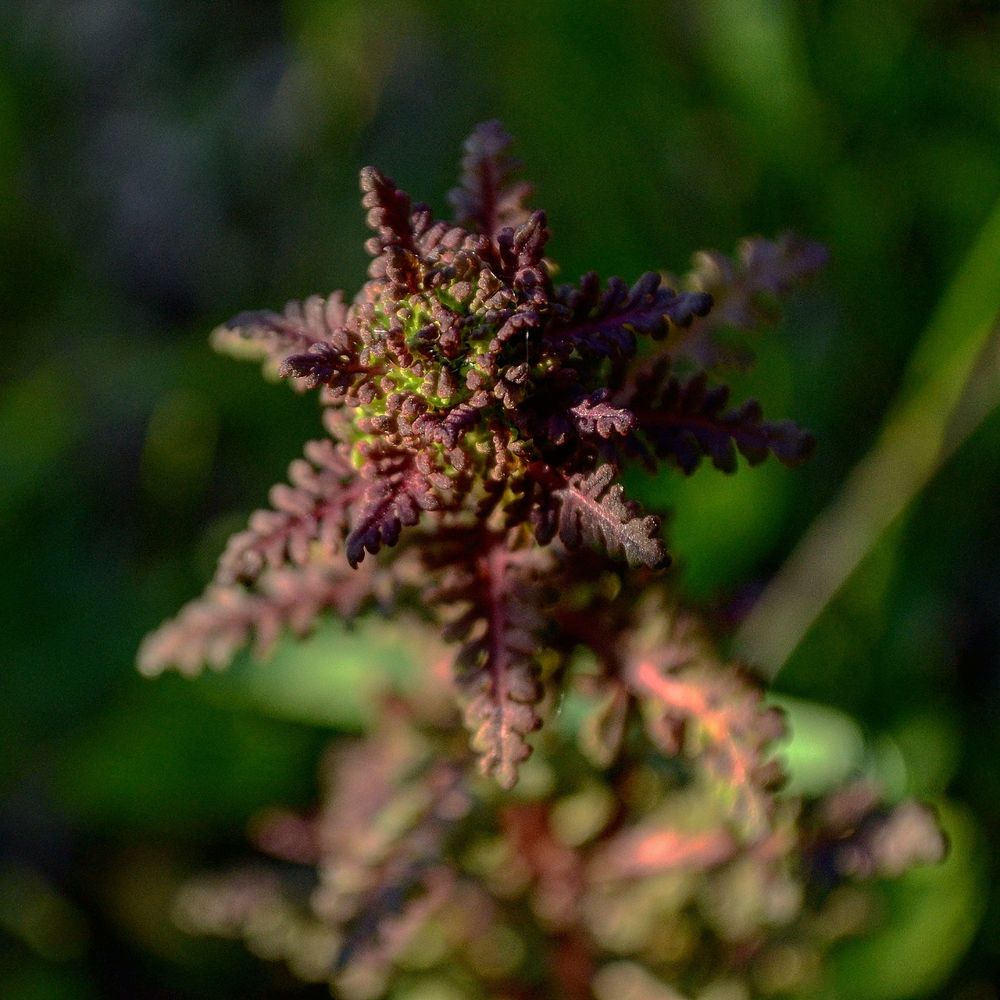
(951, 384)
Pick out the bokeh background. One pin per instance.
(167, 163)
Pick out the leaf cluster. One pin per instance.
(479, 413)
(649, 846)
(477, 417)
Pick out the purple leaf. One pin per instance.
(271, 337)
(486, 199)
(396, 493)
(604, 324)
(594, 511)
(688, 420)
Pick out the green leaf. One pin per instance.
(823, 748)
(332, 679)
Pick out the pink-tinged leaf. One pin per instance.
(649, 849)
(397, 259)
(213, 628)
(749, 290)
(857, 836)
(308, 519)
(388, 211)
(487, 199)
(396, 493)
(716, 714)
(520, 251)
(594, 511)
(594, 416)
(499, 623)
(272, 337)
(748, 287)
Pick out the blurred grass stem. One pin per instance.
(951, 385)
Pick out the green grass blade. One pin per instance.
(951, 384)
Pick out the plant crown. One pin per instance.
(488, 411)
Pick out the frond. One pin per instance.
(272, 337)
(715, 714)
(334, 363)
(594, 511)
(487, 198)
(854, 835)
(747, 288)
(603, 324)
(519, 256)
(394, 494)
(213, 628)
(387, 814)
(688, 420)
(498, 626)
(308, 518)
(379, 841)
(394, 249)
(388, 212)
(594, 416)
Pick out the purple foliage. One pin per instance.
(467, 396)
(477, 419)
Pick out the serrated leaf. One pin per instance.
(487, 199)
(593, 511)
(687, 421)
(394, 497)
(604, 324)
(272, 337)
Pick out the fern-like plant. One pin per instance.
(488, 411)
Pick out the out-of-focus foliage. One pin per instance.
(629, 856)
(164, 163)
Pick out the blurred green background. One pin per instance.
(167, 163)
